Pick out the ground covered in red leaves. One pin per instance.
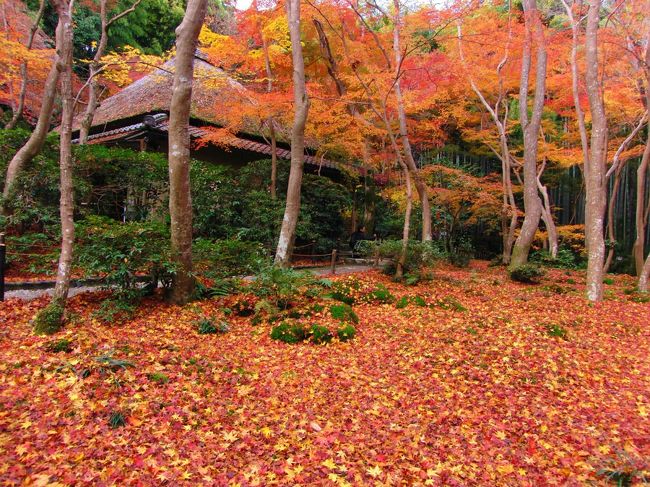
(490, 382)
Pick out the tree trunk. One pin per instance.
(18, 111)
(531, 128)
(595, 168)
(641, 175)
(611, 221)
(420, 185)
(549, 222)
(35, 142)
(50, 319)
(274, 142)
(180, 198)
(93, 86)
(301, 109)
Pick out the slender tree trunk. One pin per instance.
(274, 142)
(35, 142)
(531, 128)
(50, 319)
(180, 198)
(611, 222)
(547, 216)
(95, 66)
(18, 111)
(420, 185)
(641, 175)
(595, 169)
(301, 109)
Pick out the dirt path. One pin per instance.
(29, 294)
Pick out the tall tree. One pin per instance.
(35, 142)
(643, 208)
(595, 166)
(18, 111)
(50, 319)
(95, 65)
(301, 109)
(530, 126)
(180, 198)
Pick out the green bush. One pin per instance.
(346, 332)
(280, 286)
(320, 334)
(527, 273)
(402, 302)
(288, 332)
(344, 312)
(418, 254)
(565, 259)
(116, 310)
(124, 251)
(225, 258)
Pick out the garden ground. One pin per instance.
(483, 381)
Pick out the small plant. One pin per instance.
(207, 326)
(115, 310)
(346, 333)
(344, 313)
(244, 306)
(380, 295)
(107, 362)
(418, 301)
(116, 420)
(450, 302)
(57, 346)
(608, 280)
(402, 302)
(320, 334)
(556, 330)
(527, 273)
(289, 332)
(158, 377)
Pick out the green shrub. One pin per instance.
(419, 301)
(608, 280)
(224, 258)
(280, 286)
(527, 273)
(320, 334)
(418, 254)
(116, 310)
(462, 252)
(57, 346)
(244, 306)
(565, 259)
(346, 332)
(288, 332)
(344, 312)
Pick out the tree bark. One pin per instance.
(301, 109)
(18, 111)
(35, 142)
(595, 168)
(403, 131)
(180, 198)
(531, 128)
(638, 249)
(50, 319)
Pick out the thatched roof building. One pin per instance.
(137, 117)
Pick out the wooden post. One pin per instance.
(313, 251)
(333, 265)
(3, 255)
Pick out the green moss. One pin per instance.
(320, 334)
(346, 333)
(289, 332)
(344, 312)
(49, 320)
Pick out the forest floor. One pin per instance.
(482, 381)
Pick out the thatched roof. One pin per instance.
(152, 93)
